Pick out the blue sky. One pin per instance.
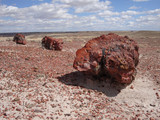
(78, 15)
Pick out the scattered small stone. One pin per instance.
(152, 105)
(16, 99)
(35, 69)
(131, 87)
(44, 84)
(9, 93)
(1, 88)
(38, 111)
(29, 105)
(53, 106)
(67, 114)
(33, 101)
(151, 118)
(27, 58)
(5, 114)
(158, 97)
(18, 109)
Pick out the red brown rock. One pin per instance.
(19, 39)
(52, 43)
(111, 55)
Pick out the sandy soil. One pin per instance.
(39, 84)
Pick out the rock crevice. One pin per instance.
(111, 55)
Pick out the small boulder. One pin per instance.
(111, 55)
(52, 43)
(19, 39)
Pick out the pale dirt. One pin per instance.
(38, 84)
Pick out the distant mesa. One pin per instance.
(19, 39)
(52, 43)
(109, 55)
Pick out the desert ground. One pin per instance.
(40, 84)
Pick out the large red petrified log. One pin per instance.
(52, 43)
(19, 39)
(111, 55)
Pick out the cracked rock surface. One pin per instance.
(19, 39)
(52, 43)
(111, 55)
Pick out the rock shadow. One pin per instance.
(105, 85)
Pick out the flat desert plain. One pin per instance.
(40, 84)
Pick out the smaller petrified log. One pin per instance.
(52, 43)
(19, 39)
(111, 55)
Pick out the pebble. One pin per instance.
(131, 87)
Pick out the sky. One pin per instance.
(78, 15)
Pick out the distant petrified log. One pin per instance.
(109, 55)
(52, 43)
(19, 39)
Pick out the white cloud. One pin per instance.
(78, 2)
(81, 6)
(141, 0)
(107, 13)
(130, 12)
(42, 11)
(63, 15)
(131, 24)
(126, 16)
(148, 18)
(7, 10)
(148, 22)
(155, 11)
(48, 11)
(134, 7)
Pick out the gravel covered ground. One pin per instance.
(40, 84)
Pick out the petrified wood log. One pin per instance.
(110, 55)
(19, 39)
(52, 43)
